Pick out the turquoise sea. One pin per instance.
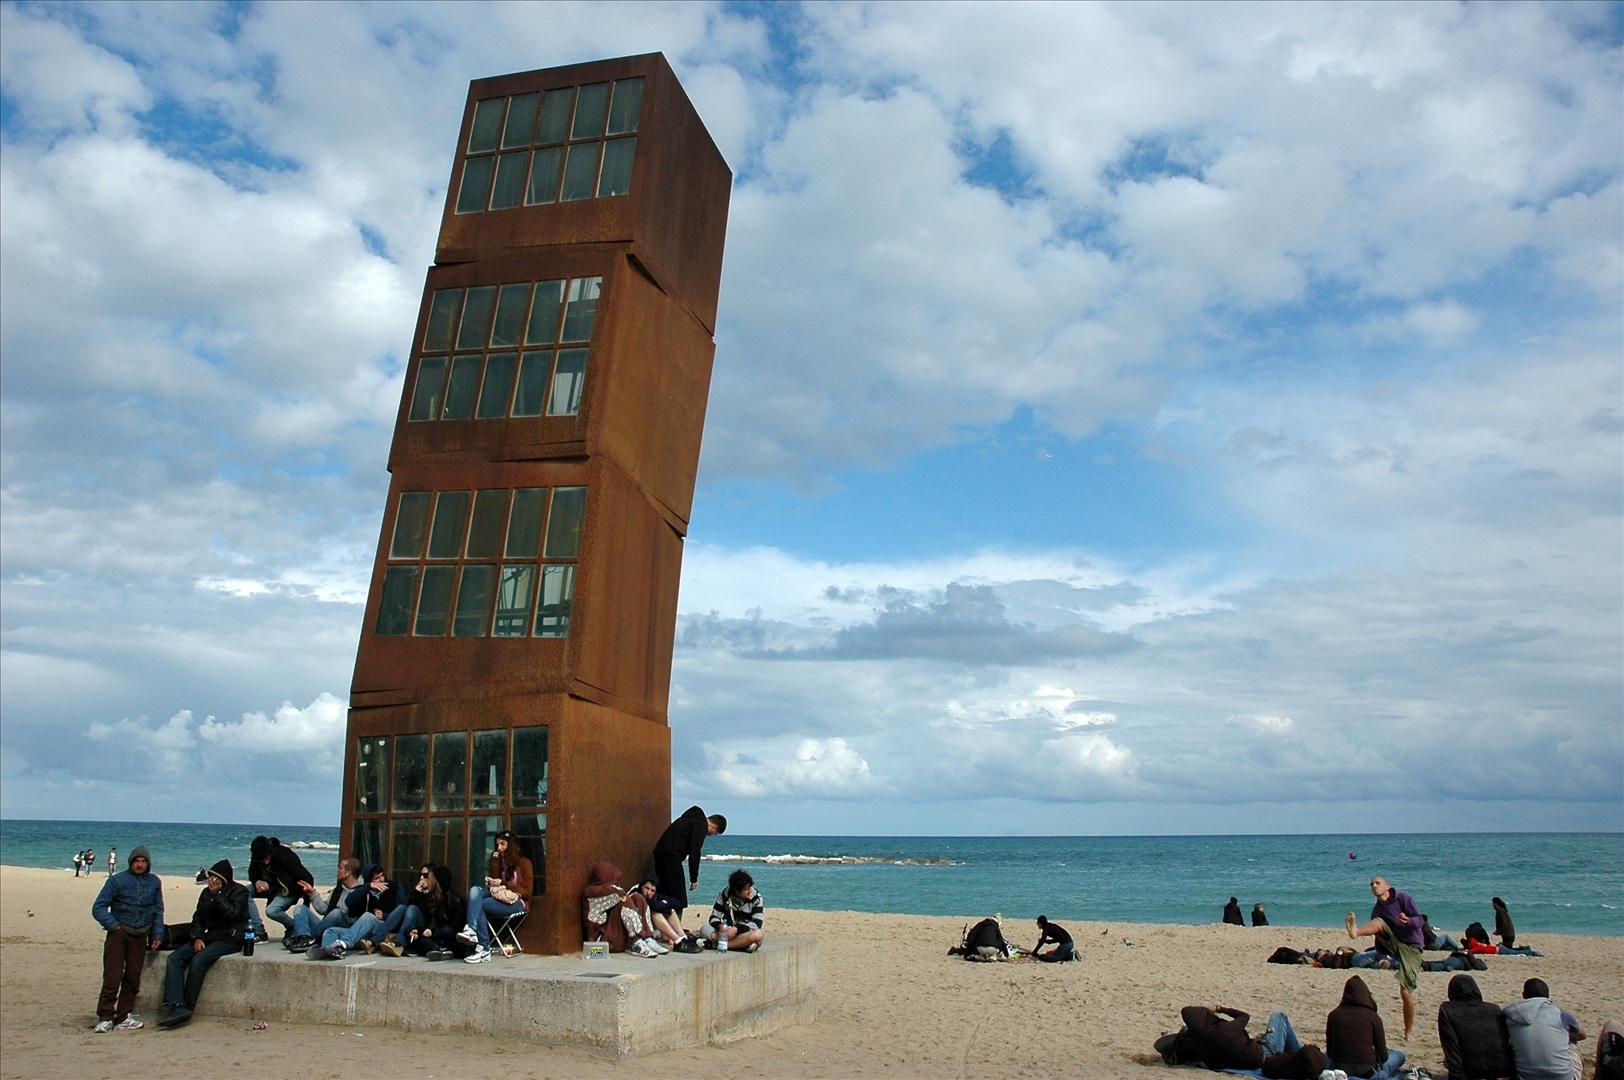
(1554, 883)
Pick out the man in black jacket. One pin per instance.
(278, 876)
(683, 839)
(1472, 1033)
(218, 926)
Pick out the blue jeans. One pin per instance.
(1280, 1038)
(183, 980)
(389, 924)
(255, 927)
(352, 933)
(276, 909)
(1444, 943)
(481, 906)
(305, 923)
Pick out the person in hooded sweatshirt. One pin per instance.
(1355, 1039)
(1504, 928)
(218, 927)
(1472, 1033)
(682, 840)
(130, 907)
(1543, 1036)
(1232, 912)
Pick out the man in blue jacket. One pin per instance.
(130, 907)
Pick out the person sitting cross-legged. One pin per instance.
(736, 917)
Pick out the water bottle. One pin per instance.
(248, 943)
(721, 942)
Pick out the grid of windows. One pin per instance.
(496, 562)
(562, 146)
(494, 351)
(443, 797)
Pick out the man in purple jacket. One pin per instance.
(1395, 923)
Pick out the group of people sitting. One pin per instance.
(646, 922)
(1532, 1038)
(1233, 916)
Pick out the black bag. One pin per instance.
(1285, 955)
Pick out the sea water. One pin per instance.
(1565, 883)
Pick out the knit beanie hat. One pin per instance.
(139, 852)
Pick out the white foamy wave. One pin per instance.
(827, 860)
(311, 845)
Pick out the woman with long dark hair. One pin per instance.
(506, 892)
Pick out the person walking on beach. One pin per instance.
(1395, 923)
(218, 926)
(130, 907)
(78, 862)
(682, 840)
(1504, 928)
(90, 860)
(1048, 932)
(112, 861)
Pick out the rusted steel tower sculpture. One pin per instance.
(515, 663)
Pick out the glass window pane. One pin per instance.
(511, 309)
(411, 773)
(524, 526)
(481, 842)
(464, 384)
(566, 399)
(564, 529)
(533, 372)
(530, 766)
(429, 394)
(476, 318)
(580, 172)
(406, 848)
(450, 787)
(545, 165)
(450, 515)
(442, 319)
(476, 184)
(487, 122)
(447, 844)
(485, 532)
(474, 599)
(531, 832)
(497, 389)
(555, 115)
(513, 601)
(544, 312)
(582, 309)
(509, 188)
(628, 106)
(395, 606)
(488, 785)
(521, 119)
(617, 168)
(411, 525)
(591, 109)
(557, 596)
(434, 606)
(372, 775)
(367, 841)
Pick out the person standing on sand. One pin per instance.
(1395, 923)
(112, 861)
(78, 862)
(1504, 928)
(130, 907)
(683, 839)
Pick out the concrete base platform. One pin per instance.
(621, 1006)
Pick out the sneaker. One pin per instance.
(479, 956)
(367, 946)
(103, 1027)
(176, 1016)
(335, 951)
(659, 946)
(129, 1023)
(439, 954)
(753, 946)
(391, 948)
(315, 953)
(468, 934)
(642, 948)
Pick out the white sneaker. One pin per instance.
(659, 946)
(129, 1023)
(641, 948)
(467, 934)
(102, 1027)
(480, 956)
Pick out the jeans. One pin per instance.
(1444, 943)
(1280, 1038)
(352, 933)
(481, 906)
(183, 980)
(276, 909)
(305, 923)
(1059, 954)
(255, 927)
(389, 924)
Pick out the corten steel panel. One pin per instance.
(680, 187)
(609, 796)
(646, 387)
(623, 620)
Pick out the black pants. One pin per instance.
(123, 957)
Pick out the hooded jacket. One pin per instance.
(1232, 912)
(221, 916)
(284, 871)
(132, 900)
(603, 897)
(1216, 1042)
(1472, 1033)
(1504, 928)
(1539, 1040)
(1355, 1038)
(683, 839)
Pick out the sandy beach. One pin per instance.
(891, 1002)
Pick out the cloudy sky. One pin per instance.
(1125, 419)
